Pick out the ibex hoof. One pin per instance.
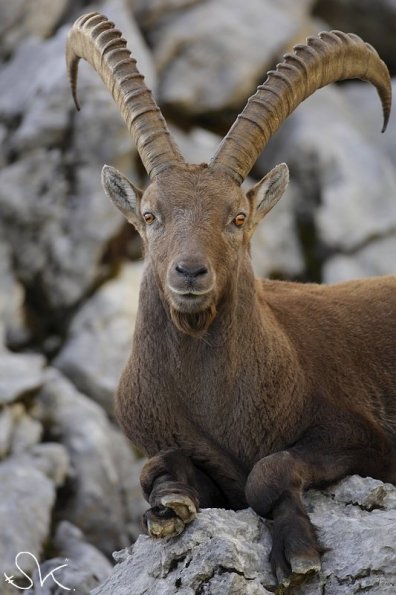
(304, 566)
(183, 506)
(300, 568)
(170, 517)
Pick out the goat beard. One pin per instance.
(194, 324)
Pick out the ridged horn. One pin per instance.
(330, 57)
(95, 39)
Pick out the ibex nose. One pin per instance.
(191, 271)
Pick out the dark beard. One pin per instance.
(194, 324)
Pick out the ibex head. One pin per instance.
(195, 220)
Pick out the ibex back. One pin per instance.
(243, 392)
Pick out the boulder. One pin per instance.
(100, 337)
(101, 461)
(346, 184)
(27, 431)
(50, 458)
(26, 501)
(11, 298)
(6, 427)
(377, 257)
(84, 566)
(363, 101)
(149, 12)
(211, 55)
(21, 18)
(44, 59)
(225, 552)
(64, 233)
(197, 144)
(374, 22)
(51, 194)
(276, 248)
(20, 375)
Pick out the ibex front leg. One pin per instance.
(175, 489)
(324, 455)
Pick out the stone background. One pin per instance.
(70, 267)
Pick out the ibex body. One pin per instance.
(243, 392)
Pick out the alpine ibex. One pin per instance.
(243, 392)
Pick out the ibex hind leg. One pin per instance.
(175, 489)
(323, 455)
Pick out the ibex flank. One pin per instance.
(243, 392)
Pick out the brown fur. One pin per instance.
(290, 385)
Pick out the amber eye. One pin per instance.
(239, 219)
(148, 217)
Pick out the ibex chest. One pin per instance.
(198, 410)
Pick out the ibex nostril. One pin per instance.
(191, 271)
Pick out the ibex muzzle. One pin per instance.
(243, 391)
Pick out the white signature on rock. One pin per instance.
(10, 579)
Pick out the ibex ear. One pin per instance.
(266, 193)
(123, 193)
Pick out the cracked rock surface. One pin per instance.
(225, 552)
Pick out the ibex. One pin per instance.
(243, 392)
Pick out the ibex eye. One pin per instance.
(239, 219)
(148, 217)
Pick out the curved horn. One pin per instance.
(95, 39)
(330, 57)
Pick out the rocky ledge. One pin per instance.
(225, 552)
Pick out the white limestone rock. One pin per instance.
(211, 55)
(375, 258)
(20, 374)
(100, 337)
(26, 501)
(98, 489)
(223, 552)
(84, 565)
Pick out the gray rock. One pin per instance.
(223, 550)
(19, 375)
(128, 469)
(27, 433)
(11, 15)
(6, 427)
(149, 12)
(97, 492)
(84, 566)
(347, 185)
(100, 337)
(64, 232)
(62, 213)
(375, 22)
(218, 549)
(368, 494)
(363, 102)
(225, 42)
(197, 145)
(44, 16)
(375, 258)
(50, 458)
(11, 299)
(276, 249)
(21, 19)
(44, 60)
(26, 501)
(3, 142)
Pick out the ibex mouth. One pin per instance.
(190, 293)
(190, 301)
